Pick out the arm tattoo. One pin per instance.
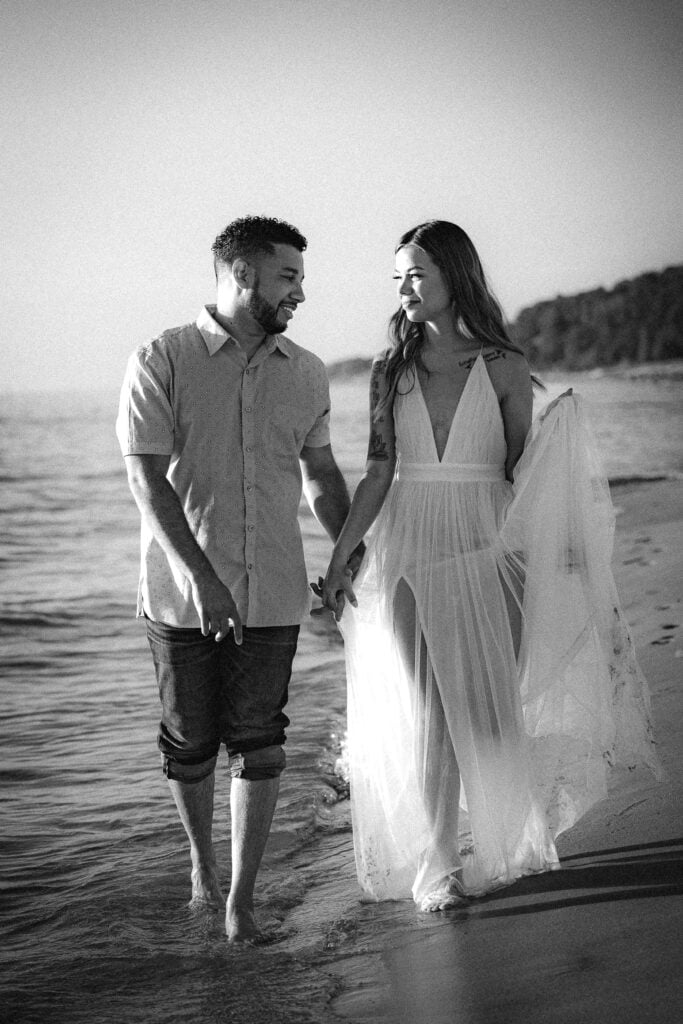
(375, 393)
(488, 358)
(377, 448)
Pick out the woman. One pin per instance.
(491, 676)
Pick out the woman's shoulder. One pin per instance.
(505, 362)
(504, 357)
(380, 360)
(508, 370)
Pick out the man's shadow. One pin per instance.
(621, 873)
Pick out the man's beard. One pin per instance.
(265, 315)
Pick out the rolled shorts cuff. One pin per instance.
(266, 763)
(187, 773)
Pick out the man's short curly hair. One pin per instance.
(252, 236)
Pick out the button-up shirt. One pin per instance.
(234, 430)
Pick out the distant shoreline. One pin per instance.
(668, 369)
(358, 368)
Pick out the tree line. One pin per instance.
(637, 321)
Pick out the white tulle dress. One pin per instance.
(471, 750)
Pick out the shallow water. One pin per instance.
(95, 868)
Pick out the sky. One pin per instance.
(133, 132)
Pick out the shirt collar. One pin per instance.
(283, 344)
(216, 336)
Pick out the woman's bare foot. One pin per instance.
(450, 894)
(240, 924)
(441, 899)
(206, 890)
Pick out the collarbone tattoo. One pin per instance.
(488, 358)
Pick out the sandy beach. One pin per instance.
(595, 941)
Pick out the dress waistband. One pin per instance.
(458, 472)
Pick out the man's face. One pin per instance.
(277, 288)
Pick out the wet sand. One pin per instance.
(597, 941)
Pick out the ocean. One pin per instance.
(95, 877)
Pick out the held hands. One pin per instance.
(216, 609)
(335, 589)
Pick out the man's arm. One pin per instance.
(327, 494)
(161, 508)
(370, 493)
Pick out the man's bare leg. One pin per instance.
(252, 803)
(195, 807)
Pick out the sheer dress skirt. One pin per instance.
(491, 677)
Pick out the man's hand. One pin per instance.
(216, 609)
(163, 511)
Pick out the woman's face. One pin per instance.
(421, 287)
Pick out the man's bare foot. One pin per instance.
(240, 924)
(206, 890)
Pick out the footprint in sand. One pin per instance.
(666, 638)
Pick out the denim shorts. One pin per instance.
(213, 693)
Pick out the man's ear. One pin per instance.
(243, 273)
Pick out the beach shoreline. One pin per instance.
(97, 864)
(593, 941)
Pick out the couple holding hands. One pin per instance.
(492, 681)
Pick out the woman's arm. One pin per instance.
(369, 496)
(516, 401)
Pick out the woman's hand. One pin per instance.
(355, 561)
(565, 394)
(336, 589)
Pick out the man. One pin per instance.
(217, 421)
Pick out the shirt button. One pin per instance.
(248, 449)
(247, 372)
(250, 527)
(248, 409)
(249, 487)
(250, 566)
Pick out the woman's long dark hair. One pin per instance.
(475, 308)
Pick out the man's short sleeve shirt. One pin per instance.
(234, 432)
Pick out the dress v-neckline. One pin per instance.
(457, 409)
